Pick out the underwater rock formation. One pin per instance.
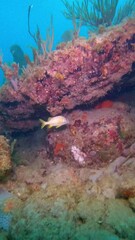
(8, 204)
(66, 202)
(94, 138)
(69, 208)
(5, 157)
(79, 72)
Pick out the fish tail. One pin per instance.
(43, 123)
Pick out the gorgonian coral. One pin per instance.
(93, 13)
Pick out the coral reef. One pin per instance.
(94, 137)
(8, 204)
(80, 72)
(77, 181)
(5, 157)
(72, 206)
(60, 201)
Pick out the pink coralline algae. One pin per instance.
(94, 138)
(80, 72)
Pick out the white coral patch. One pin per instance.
(78, 155)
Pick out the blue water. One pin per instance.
(14, 27)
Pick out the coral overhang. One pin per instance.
(79, 72)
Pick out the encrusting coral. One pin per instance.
(79, 73)
(94, 138)
(5, 157)
(63, 173)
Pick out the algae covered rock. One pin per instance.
(3, 236)
(121, 218)
(81, 72)
(9, 204)
(132, 203)
(5, 157)
(94, 137)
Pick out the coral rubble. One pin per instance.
(79, 72)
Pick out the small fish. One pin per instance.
(57, 122)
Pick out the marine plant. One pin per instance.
(11, 73)
(93, 13)
(42, 46)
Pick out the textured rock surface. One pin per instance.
(64, 207)
(64, 202)
(5, 156)
(79, 73)
(94, 138)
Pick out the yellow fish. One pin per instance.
(57, 122)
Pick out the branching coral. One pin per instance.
(11, 73)
(93, 13)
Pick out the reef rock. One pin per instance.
(5, 156)
(78, 72)
(93, 138)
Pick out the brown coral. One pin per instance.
(5, 156)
